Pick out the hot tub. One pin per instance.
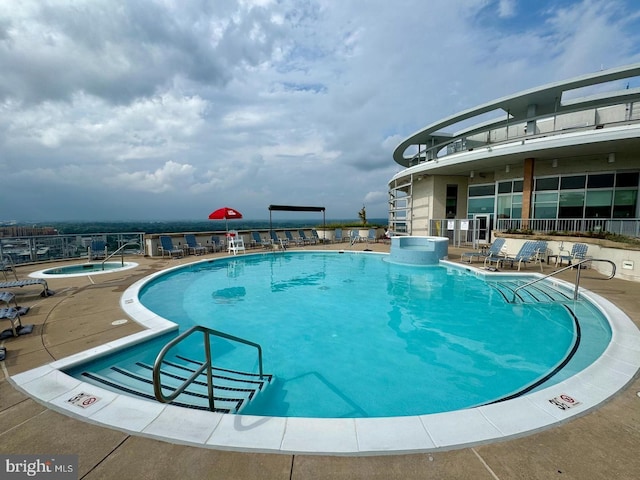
(414, 250)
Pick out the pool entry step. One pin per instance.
(535, 293)
(232, 389)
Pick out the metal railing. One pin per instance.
(207, 365)
(578, 268)
(628, 227)
(496, 134)
(121, 250)
(46, 248)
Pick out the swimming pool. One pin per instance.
(52, 386)
(81, 269)
(354, 335)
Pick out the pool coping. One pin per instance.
(368, 436)
(43, 274)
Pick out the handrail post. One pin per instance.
(575, 290)
(577, 266)
(207, 353)
(121, 250)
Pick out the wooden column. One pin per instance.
(527, 192)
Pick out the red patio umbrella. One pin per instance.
(225, 213)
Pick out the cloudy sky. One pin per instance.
(169, 109)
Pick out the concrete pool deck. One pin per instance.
(599, 444)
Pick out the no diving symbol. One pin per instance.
(83, 400)
(564, 402)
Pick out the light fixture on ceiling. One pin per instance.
(471, 174)
(507, 169)
(611, 158)
(554, 162)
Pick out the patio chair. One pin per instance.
(371, 236)
(305, 240)
(540, 252)
(7, 298)
(97, 250)
(166, 244)
(337, 235)
(291, 239)
(256, 239)
(216, 245)
(493, 251)
(28, 282)
(193, 245)
(13, 315)
(354, 236)
(315, 238)
(531, 251)
(275, 240)
(6, 265)
(578, 252)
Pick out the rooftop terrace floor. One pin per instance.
(602, 443)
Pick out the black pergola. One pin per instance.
(295, 208)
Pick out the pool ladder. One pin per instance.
(206, 367)
(578, 268)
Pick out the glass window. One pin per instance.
(545, 205)
(571, 183)
(504, 206)
(627, 179)
(480, 205)
(517, 185)
(600, 181)
(571, 205)
(598, 203)
(516, 211)
(624, 203)
(546, 184)
(544, 210)
(482, 190)
(517, 199)
(546, 197)
(504, 187)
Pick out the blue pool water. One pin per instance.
(353, 335)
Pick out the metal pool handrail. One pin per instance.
(122, 254)
(207, 332)
(577, 267)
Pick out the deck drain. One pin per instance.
(119, 322)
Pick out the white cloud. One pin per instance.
(168, 178)
(263, 101)
(506, 8)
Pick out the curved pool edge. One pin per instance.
(45, 275)
(616, 367)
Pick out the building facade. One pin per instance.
(564, 157)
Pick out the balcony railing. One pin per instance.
(475, 232)
(41, 248)
(627, 227)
